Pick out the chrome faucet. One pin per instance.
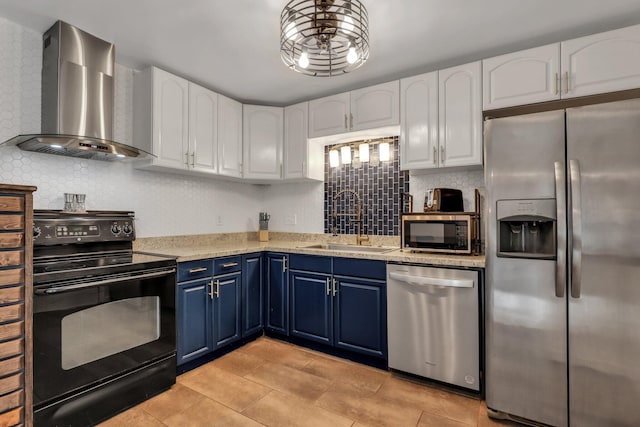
(360, 238)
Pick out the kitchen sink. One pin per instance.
(349, 248)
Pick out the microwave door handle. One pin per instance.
(561, 229)
(95, 283)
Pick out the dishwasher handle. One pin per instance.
(431, 281)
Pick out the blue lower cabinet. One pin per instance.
(311, 308)
(277, 293)
(252, 294)
(340, 302)
(195, 336)
(360, 308)
(227, 300)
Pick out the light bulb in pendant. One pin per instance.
(352, 56)
(303, 61)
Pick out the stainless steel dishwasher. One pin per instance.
(433, 323)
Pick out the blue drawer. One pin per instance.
(227, 265)
(198, 269)
(355, 267)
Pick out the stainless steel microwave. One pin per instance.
(452, 233)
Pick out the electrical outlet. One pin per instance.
(219, 220)
(291, 219)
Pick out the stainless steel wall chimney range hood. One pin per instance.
(77, 98)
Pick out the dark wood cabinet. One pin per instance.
(16, 298)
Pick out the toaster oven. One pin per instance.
(454, 233)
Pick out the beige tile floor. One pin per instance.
(272, 383)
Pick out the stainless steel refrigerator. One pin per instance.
(563, 265)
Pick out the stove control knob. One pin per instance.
(126, 229)
(36, 232)
(115, 229)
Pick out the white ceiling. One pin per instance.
(232, 46)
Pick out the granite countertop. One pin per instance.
(190, 248)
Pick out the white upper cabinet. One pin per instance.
(419, 125)
(368, 108)
(161, 117)
(590, 65)
(524, 77)
(460, 115)
(203, 128)
(600, 63)
(375, 106)
(295, 140)
(229, 137)
(262, 138)
(329, 115)
(175, 120)
(302, 160)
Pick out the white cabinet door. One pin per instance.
(262, 137)
(170, 119)
(229, 137)
(419, 126)
(329, 115)
(460, 115)
(600, 63)
(520, 78)
(375, 106)
(295, 140)
(203, 132)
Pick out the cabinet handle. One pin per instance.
(442, 158)
(229, 264)
(304, 168)
(281, 174)
(566, 77)
(186, 158)
(328, 286)
(197, 270)
(557, 83)
(284, 264)
(193, 159)
(435, 155)
(350, 121)
(335, 288)
(210, 284)
(345, 121)
(217, 292)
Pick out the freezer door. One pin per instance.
(525, 321)
(603, 148)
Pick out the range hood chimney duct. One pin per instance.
(77, 98)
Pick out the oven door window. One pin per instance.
(131, 322)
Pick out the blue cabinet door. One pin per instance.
(310, 306)
(252, 294)
(277, 308)
(194, 320)
(227, 300)
(360, 321)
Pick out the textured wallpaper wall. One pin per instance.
(165, 204)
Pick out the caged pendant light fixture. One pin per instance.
(324, 38)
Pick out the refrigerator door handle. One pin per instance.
(561, 241)
(575, 204)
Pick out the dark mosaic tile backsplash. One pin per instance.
(379, 185)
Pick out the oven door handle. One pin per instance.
(93, 284)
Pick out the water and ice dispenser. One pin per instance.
(526, 228)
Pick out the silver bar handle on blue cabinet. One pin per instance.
(575, 194)
(561, 241)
